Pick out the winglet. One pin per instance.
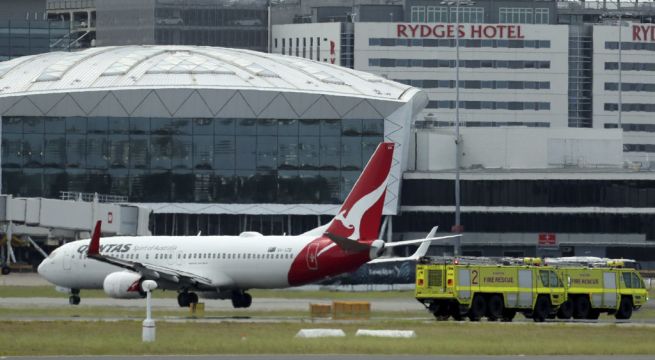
(94, 245)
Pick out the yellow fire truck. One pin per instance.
(595, 285)
(495, 288)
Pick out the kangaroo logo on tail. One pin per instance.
(359, 216)
(353, 218)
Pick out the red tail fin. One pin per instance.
(359, 216)
(94, 244)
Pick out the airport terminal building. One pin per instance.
(220, 141)
(213, 140)
(549, 165)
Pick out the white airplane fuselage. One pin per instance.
(243, 262)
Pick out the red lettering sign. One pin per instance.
(643, 33)
(439, 31)
(547, 239)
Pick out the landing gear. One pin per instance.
(185, 298)
(241, 299)
(6, 270)
(74, 299)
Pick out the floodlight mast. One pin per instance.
(457, 227)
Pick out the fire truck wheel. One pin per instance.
(593, 314)
(508, 315)
(565, 310)
(581, 307)
(495, 307)
(541, 309)
(478, 308)
(440, 311)
(625, 309)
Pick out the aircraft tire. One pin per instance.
(247, 300)
(193, 298)
(74, 300)
(6, 270)
(183, 299)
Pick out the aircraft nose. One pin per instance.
(43, 268)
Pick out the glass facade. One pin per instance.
(523, 15)
(531, 223)
(489, 105)
(580, 76)
(447, 63)
(531, 193)
(187, 159)
(477, 84)
(570, 193)
(240, 24)
(21, 38)
(467, 43)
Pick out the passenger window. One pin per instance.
(544, 277)
(636, 282)
(627, 279)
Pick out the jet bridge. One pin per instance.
(41, 222)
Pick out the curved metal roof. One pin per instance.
(167, 66)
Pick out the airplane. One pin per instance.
(226, 267)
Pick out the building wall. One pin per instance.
(321, 42)
(22, 10)
(484, 11)
(423, 55)
(638, 84)
(125, 22)
(517, 148)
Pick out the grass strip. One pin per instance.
(124, 337)
(49, 291)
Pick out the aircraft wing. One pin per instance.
(149, 271)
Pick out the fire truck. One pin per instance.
(597, 285)
(495, 288)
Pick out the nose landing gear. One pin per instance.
(74, 299)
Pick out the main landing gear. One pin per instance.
(74, 299)
(185, 298)
(241, 299)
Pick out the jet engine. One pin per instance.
(377, 249)
(123, 285)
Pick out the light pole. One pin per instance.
(620, 125)
(457, 227)
(619, 15)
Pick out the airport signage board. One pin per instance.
(466, 31)
(643, 32)
(547, 240)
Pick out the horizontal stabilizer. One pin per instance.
(347, 244)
